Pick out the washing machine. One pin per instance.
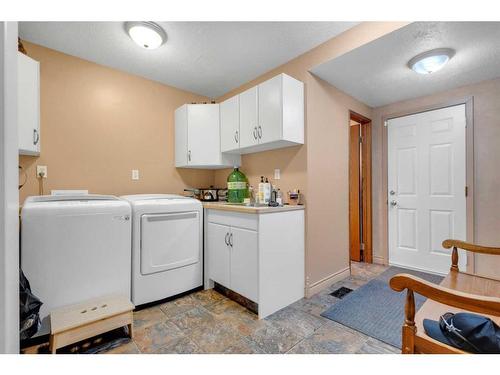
(167, 246)
(75, 248)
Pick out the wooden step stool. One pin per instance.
(74, 323)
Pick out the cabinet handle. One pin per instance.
(255, 132)
(189, 155)
(236, 136)
(231, 240)
(260, 132)
(36, 137)
(226, 240)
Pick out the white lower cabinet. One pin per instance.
(244, 263)
(233, 259)
(219, 260)
(259, 256)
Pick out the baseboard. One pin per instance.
(379, 260)
(327, 281)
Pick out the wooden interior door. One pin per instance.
(354, 196)
(366, 188)
(360, 186)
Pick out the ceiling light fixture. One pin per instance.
(431, 61)
(148, 35)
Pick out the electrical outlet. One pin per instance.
(41, 171)
(277, 174)
(135, 174)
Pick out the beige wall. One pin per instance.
(486, 97)
(97, 124)
(328, 180)
(320, 167)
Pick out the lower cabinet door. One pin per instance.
(218, 253)
(244, 263)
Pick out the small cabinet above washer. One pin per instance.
(197, 138)
(28, 105)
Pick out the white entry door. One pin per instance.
(426, 188)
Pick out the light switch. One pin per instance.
(135, 174)
(277, 174)
(41, 171)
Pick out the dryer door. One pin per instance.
(169, 241)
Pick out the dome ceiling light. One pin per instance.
(148, 35)
(431, 61)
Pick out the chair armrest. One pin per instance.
(450, 297)
(448, 244)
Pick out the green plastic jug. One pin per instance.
(237, 186)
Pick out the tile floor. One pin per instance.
(207, 322)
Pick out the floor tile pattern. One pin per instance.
(207, 322)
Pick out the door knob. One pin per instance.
(394, 203)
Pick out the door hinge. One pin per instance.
(385, 123)
(466, 191)
(362, 246)
(360, 139)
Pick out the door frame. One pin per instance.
(366, 187)
(9, 193)
(469, 169)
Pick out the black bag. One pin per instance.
(29, 307)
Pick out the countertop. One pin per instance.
(224, 206)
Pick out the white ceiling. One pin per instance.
(208, 58)
(377, 73)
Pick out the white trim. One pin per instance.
(327, 281)
(416, 269)
(9, 194)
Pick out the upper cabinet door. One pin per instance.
(249, 117)
(270, 110)
(197, 138)
(181, 136)
(28, 105)
(203, 134)
(230, 124)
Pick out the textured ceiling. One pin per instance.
(208, 58)
(377, 73)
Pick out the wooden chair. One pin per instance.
(458, 292)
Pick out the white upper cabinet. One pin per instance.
(28, 105)
(230, 124)
(249, 109)
(181, 137)
(270, 127)
(197, 138)
(271, 116)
